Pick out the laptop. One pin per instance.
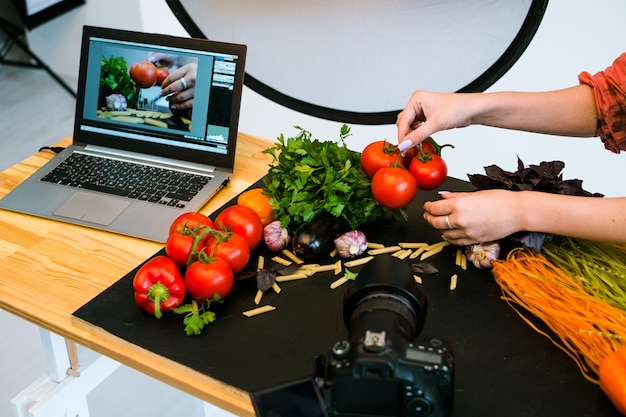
(185, 148)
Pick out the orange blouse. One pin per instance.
(609, 89)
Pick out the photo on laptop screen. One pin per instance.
(153, 94)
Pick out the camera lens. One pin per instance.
(383, 295)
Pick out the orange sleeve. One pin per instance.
(609, 90)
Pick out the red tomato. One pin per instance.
(144, 74)
(205, 280)
(161, 74)
(241, 220)
(178, 248)
(379, 154)
(232, 247)
(429, 169)
(393, 187)
(192, 220)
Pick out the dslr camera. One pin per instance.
(379, 370)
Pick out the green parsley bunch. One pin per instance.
(308, 177)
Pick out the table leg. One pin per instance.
(63, 391)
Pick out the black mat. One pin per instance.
(503, 368)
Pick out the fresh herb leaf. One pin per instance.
(308, 177)
(197, 315)
(546, 177)
(423, 268)
(115, 78)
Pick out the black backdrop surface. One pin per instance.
(503, 368)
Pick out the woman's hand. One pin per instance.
(180, 83)
(475, 217)
(429, 112)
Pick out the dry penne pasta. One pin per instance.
(281, 261)
(417, 252)
(291, 277)
(330, 267)
(338, 283)
(259, 310)
(402, 253)
(417, 279)
(289, 254)
(434, 249)
(258, 296)
(453, 280)
(372, 245)
(260, 263)
(357, 262)
(412, 245)
(386, 249)
(276, 288)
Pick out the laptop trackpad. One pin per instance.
(92, 208)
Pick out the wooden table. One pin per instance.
(50, 269)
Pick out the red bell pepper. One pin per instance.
(159, 286)
(612, 375)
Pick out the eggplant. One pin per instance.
(318, 236)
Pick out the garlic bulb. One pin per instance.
(275, 236)
(116, 102)
(483, 254)
(351, 244)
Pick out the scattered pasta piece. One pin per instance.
(291, 277)
(372, 245)
(380, 251)
(281, 261)
(339, 282)
(434, 249)
(402, 253)
(276, 288)
(330, 267)
(357, 262)
(417, 279)
(453, 280)
(260, 263)
(289, 254)
(417, 252)
(259, 310)
(258, 296)
(412, 245)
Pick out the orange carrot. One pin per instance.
(612, 376)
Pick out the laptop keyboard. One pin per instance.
(127, 179)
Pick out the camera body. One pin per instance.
(380, 370)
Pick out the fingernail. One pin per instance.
(443, 192)
(405, 145)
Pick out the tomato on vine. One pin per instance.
(191, 220)
(207, 279)
(231, 247)
(429, 169)
(393, 187)
(380, 154)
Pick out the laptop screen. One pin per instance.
(161, 95)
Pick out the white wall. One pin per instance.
(574, 36)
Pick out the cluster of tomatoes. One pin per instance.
(202, 256)
(145, 74)
(396, 177)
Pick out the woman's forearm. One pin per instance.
(567, 112)
(591, 218)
